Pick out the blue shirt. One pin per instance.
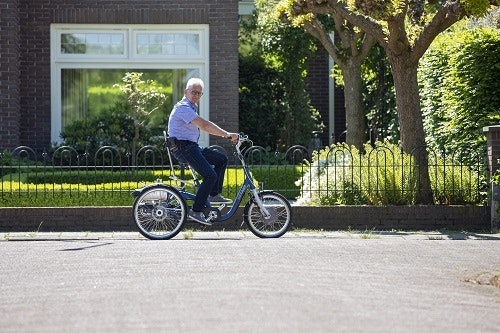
(180, 124)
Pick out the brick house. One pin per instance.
(53, 53)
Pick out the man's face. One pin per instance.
(194, 94)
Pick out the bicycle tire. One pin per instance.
(277, 224)
(159, 212)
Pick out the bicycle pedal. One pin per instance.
(221, 207)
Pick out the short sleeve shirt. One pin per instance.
(180, 124)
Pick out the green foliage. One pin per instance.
(260, 96)
(113, 128)
(143, 97)
(379, 98)
(383, 175)
(490, 20)
(476, 7)
(6, 159)
(94, 176)
(343, 175)
(280, 178)
(459, 85)
(66, 199)
(339, 175)
(264, 156)
(106, 188)
(10, 164)
(283, 51)
(455, 184)
(378, 9)
(100, 98)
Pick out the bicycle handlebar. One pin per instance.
(241, 139)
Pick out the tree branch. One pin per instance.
(336, 7)
(315, 29)
(446, 16)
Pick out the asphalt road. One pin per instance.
(235, 282)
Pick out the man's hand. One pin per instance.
(233, 137)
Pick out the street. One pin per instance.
(306, 281)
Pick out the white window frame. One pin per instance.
(129, 59)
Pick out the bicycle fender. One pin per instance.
(260, 193)
(138, 191)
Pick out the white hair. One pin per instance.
(195, 81)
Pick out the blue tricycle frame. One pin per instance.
(161, 210)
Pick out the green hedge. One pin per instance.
(459, 87)
(106, 188)
(66, 199)
(384, 175)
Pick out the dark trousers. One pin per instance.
(209, 164)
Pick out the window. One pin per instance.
(167, 44)
(87, 60)
(93, 43)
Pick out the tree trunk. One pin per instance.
(410, 121)
(134, 144)
(355, 115)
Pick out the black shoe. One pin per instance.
(219, 199)
(198, 217)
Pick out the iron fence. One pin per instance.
(336, 175)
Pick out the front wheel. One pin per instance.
(277, 223)
(159, 212)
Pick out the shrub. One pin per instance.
(459, 79)
(383, 175)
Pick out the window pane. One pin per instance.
(90, 92)
(174, 44)
(93, 43)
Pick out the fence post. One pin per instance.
(493, 145)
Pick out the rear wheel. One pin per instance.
(159, 212)
(279, 221)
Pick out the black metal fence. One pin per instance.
(338, 175)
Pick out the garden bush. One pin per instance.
(384, 175)
(458, 79)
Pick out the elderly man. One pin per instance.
(184, 127)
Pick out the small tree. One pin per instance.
(144, 98)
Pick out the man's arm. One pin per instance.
(212, 128)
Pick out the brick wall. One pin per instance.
(425, 218)
(9, 75)
(493, 146)
(35, 17)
